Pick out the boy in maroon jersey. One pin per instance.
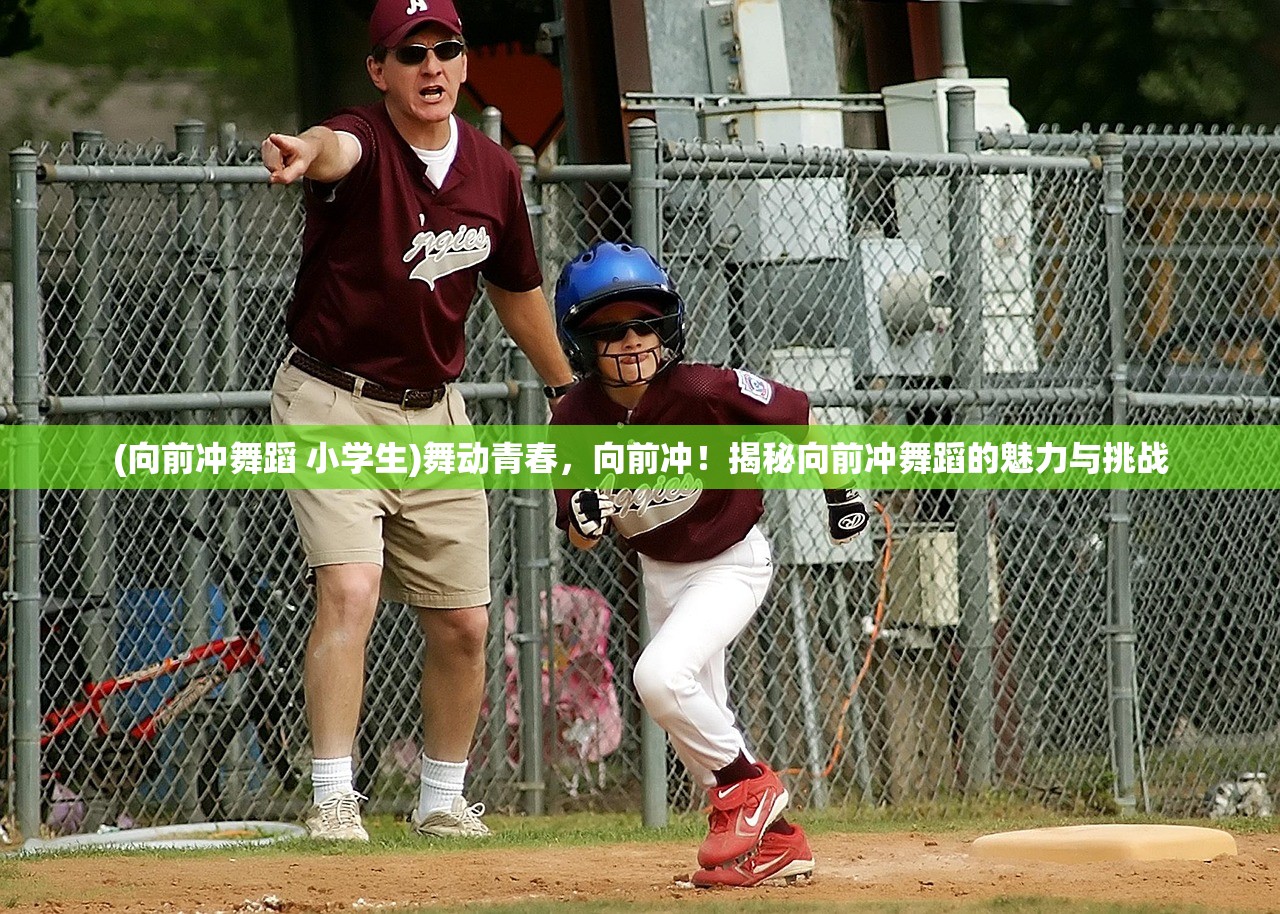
(407, 207)
(705, 563)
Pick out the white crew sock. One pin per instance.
(441, 782)
(330, 776)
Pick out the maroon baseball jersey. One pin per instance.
(390, 263)
(685, 525)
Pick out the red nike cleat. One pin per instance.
(780, 856)
(740, 812)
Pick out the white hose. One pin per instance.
(190, 836)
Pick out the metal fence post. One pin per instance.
(1121, 660)
(533, 559)
(644, 186)
(491, 123)
(229, 375)
(977, 703)
(496, 733)
(802, 637)
(189, 239)
(230, 201)
(92, 327)
(533, 548)
(952, 40)
(26, 502)
(92, 321)
(193, 352)
(646, 209)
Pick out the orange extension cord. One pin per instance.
(877, 619)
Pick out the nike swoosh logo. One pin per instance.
(725, 791)
(754, 819)
(761, 865)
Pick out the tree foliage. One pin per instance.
(1118, 61)
(245, 47)
(1134, 62)
(1200, 68)
(16, 34)
(1072, 62)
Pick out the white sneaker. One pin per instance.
(460, 821)
(337, 819)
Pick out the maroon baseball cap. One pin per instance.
(393, 20)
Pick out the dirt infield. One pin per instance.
(851, 868)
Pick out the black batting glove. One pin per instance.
(846, 514)
(588, 510)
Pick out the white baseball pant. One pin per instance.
(695, 610)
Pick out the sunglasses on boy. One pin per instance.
(412, 55)
(616, 333)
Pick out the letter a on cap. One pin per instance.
(394, 20)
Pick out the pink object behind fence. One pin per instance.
(588, 719)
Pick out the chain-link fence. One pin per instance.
(1076, 648)
(907, 291)
(1201, 297)
(161, 298)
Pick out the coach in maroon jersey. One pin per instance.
(705, 564)
(407, 207)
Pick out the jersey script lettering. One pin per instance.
(446, 252)
(646, 508)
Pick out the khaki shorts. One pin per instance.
(433, 545)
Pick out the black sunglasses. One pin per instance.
(616, 333)
(412, 55)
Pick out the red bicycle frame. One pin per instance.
(232, 654)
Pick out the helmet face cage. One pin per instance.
(609, 272)
(662, 327)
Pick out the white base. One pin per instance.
(1105, 843)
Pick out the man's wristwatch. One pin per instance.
(559, 390)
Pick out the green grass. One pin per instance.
(992, 814)
(593, 829)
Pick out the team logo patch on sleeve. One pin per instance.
(754, 386)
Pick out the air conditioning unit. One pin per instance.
(764, 220)
(908, 328)
(917, 118)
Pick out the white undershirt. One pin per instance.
(439, 160)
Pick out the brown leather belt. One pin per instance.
(405, 399)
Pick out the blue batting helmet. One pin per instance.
(608, 272)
